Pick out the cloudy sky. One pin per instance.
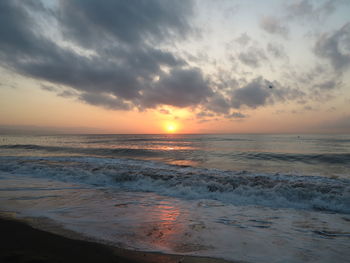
(136, 66)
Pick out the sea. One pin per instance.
(248, 198)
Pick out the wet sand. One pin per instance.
(21, 242)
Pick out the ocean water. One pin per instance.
(254, 198)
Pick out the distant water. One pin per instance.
(285, 198)
(323, 155)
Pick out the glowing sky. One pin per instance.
(196, 66)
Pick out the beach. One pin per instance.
(237, 198)
(23, 243)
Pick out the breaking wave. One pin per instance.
(232, 187)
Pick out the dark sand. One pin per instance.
(20, 242)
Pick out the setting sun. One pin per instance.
(170, 127)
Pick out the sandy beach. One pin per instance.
(20, 242)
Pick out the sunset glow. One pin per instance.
(263, 67)
(170, 127)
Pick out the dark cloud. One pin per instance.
(276, 50)
(253, 95)
(16, 34)
(224, 80)
(273, 25)
(328, 85)
(219, 104)
(122, 72)
(260, 92)
(335, 47)
(104, 100)
(62, 92)
(314, 74)
(204, 114)
(253, 57)
(68, 94)
(320, 83)
(129, 22)
(236, 115)
(179, 87)
(122, 55)
(306, 9)
(308, 108)
(243, 39)
(49, 88)
(300, 8)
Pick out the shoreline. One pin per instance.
(22, 242)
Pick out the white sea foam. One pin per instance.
(237, 188)
(150, 222)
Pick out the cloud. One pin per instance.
(179, 88)
(236, 115)
(219, 104)
(308, 108)
(223, 80)
(104, 100)
(125, 22)
(300, 8)
(335, 47)
(253, 95)
(327, 85)
(305, 9)
(164, 111)
(314, 74)
(127, 69)
(274, 26)
(243, 39)
(276, 50)
(62, 92)
(49, 88)
(260, 92)
(204, 114)
(124, 55)
(253, 57)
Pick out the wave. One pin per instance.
(310, 158)
(24, 146)
(329, 158)
(237, 188)
(169, 139)
(90, 151)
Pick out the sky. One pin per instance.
(156, 66)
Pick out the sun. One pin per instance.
(170, 127)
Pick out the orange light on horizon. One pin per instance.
(171, 127)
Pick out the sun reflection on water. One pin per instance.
(165, 227)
